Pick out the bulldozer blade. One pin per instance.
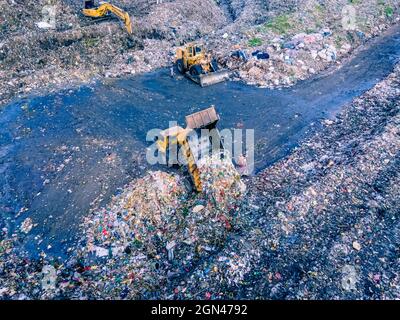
(213, 78)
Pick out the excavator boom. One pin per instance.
(106, 7)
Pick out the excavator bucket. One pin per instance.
(206, 118)
(213, 77)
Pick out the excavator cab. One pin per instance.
(89, 4)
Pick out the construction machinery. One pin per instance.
(192, 152)
(104, 9)
(199, 66)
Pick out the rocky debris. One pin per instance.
(300, 37)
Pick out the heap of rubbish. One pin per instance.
(155, 230)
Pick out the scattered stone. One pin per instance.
(356, 246)
(26, 225)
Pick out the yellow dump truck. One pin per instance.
(205, 119)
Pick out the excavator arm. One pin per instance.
(105, 8)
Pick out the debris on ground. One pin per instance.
(156, 230)
(222, 185)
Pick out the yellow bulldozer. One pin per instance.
(192, 61)
(179, 137)
(104, 9)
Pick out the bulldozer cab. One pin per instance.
(194, 50)
(189, 52)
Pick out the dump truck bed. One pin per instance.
(206, 118)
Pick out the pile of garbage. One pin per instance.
(221, 182)
(156, 230)
(148, 204)
(295, 40)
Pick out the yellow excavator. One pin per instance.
(205, 119)
(192, 61)
(104, 9)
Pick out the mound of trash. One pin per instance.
(146, 204)
(221, 182)
(156, 230)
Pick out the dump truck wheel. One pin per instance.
(214, 65)
(179, 64)
(196, 70)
